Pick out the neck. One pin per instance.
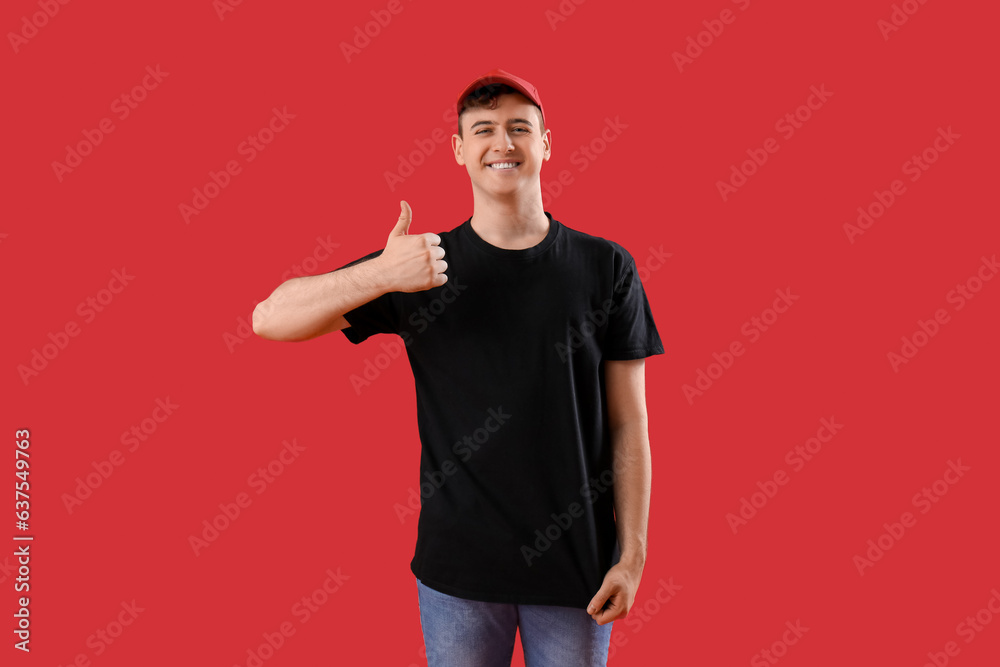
(512, 222)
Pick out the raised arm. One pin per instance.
(309, 306)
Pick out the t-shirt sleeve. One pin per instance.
(631, 333)
(380, 315)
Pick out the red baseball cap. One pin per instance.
(501, 76)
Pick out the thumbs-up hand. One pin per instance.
(412, 262)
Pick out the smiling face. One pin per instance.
(503, 148)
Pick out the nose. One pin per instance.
(502, 141)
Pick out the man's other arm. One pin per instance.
(626, 393)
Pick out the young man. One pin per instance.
(527, 341)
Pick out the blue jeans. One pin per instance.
(468, 633)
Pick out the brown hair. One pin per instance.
(485, 97)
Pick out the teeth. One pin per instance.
(505, 165)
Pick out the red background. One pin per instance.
(170, 332)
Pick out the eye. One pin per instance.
(523, 130)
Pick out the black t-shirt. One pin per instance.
(515, 467)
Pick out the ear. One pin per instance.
(456, 146)
(547, 145)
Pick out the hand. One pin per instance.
(616, 595)
(413, 262)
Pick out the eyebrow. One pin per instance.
(512, 121)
